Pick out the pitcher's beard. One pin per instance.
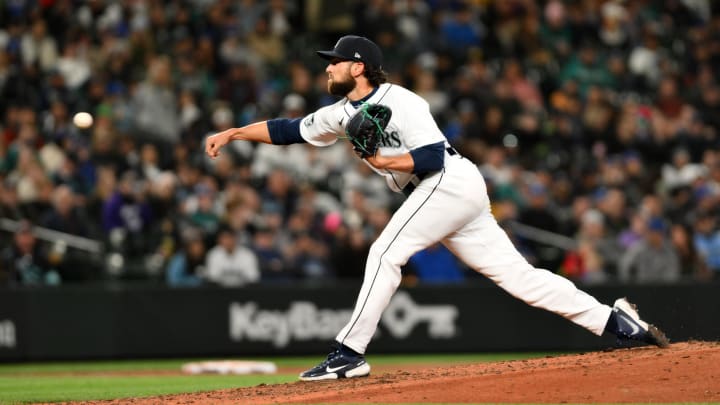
(338, 88)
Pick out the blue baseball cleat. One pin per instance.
(625, 322)
(338, 365)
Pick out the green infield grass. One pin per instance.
(91, 380)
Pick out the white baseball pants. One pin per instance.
(452, 207)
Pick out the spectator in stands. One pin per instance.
(155, 106)
(162, 195)
(672, 116)
(230, 264)
(126, 215)
(9, 205)
(307, 253)
(584, 265)
(680, 171)
(587, 69)
(149, 165)
(597, 116)
(65, 216)
(39, 49)
(426, 87)
(75, 173)
(265, 43)
(24, 137)
(68, 216)
(461, 30)
(74, 65)
(612, 203)
(33, 185)
(644, 61)
(708, 105)
(307, 257)
(555, 32)
(187, 266)
(638, 178)
(635, 232)
(266, 246)
(26, 260)
(56, 125)
(525, 91)
(652, 260)
(538, 213)
(279, 194)
(202, 210)
(614, 27)
(682, 240)
(593, 232)
(706, 240)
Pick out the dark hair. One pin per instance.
(375, 75)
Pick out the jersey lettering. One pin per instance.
(396, 138)
(390, 140)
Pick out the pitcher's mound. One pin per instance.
(685, 372)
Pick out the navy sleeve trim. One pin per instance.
(429, 158)
(285, 131)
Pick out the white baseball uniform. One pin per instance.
(449, 206)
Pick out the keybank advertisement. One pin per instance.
(84, 323)
(304, 320)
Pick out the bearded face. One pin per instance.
(341, 82)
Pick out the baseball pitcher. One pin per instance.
(393, 131)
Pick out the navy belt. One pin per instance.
(410, 187)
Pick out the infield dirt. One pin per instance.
(684, 372)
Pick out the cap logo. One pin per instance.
(357, 55)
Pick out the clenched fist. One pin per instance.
(214, 143)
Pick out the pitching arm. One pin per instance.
(257, 132)
(279, 131)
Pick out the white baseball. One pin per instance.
(83, 120)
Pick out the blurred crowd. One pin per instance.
(596, 120)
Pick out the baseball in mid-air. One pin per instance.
(83, 120)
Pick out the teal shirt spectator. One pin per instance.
(557, 39)
(587, 69)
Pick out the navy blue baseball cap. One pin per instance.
(353, 47)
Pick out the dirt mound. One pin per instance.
(685, 372)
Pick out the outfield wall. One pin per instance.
(81, 322)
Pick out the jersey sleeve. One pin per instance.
(322, 127)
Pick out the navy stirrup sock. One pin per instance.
(624, 326)
(348, 351)
(612, 324)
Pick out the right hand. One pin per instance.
(214, 143)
